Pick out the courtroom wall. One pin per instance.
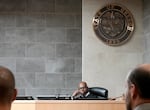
(104, 65)
(40, 41)
(146, 25)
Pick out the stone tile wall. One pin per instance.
(41, 42)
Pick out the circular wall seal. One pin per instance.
(113, 24)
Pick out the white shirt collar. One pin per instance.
(87, 94)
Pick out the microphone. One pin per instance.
(122, 97)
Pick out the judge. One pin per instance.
(83, 92)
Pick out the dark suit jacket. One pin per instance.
(88, 95)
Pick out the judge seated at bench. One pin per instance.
(84, 92)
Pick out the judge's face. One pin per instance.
(83, 88)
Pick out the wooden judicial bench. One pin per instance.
(68, 105)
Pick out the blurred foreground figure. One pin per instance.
(138, 88)
(7, 88)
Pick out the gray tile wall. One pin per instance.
(41, 42)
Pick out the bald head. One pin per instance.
(83, 88)
(82, 84)
(7, 86)
(140, 77)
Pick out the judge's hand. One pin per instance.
(76, 92)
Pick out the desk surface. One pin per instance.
(68, 105)
(80, 101)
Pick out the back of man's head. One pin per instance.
(7, 86)
(141, 78)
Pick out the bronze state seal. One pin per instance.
(113, 24)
